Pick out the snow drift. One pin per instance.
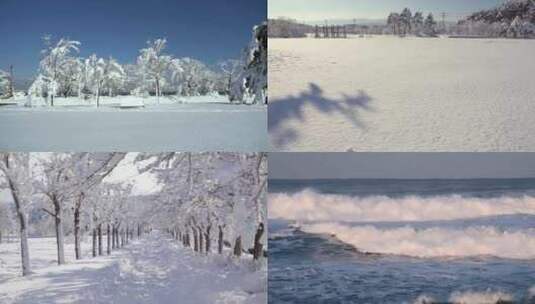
(410, 94)
(308, 205)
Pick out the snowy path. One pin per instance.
(235, 128)
(152, 270)
(391, 94)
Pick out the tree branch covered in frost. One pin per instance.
(251, 85)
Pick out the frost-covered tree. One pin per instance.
(103, 74)
(69, 79)
(406, 20)
(417, 22)
(7, 88)
(6, 220)
(16, 177)
(56, 64)
(192, 77)
(95, 73)
(521, 28)
(114, 76)
(430, 25)
(231, 70)
(67, 177)
(154, 64)
(251, 86)
(394, 21)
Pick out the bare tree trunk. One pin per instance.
(207, 239)
(59, 230)
(122, 238)
(195, 240)
(11, 91)
(98, 95)
(113, 237)
(24, 250)
(94, 242)
(99, 228)
(138, 231)
(108, 239)
(158, 89)
(77, 248)
(257, 251)
(200, 238)
(220, 241)
(238, 247)
(117, 237)
(185, 239)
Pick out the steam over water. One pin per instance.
(401, 241)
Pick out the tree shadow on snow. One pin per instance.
(292, 108)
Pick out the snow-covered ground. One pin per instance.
(387, 93)
(196, 123)
(154, 269)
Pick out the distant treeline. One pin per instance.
(287, 28)
(513, 19)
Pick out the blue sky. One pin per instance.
(401, 165)
(317, 10)
(209, 30)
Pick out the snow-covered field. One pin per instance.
(175, 124)
(154, 269)
(401, 94)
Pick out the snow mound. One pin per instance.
(132, 103)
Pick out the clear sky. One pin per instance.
(400, 165)
(317, 10)
(209, 30)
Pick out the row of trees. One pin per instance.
(406, 23)
(63, 73)
(287, 28)
(225, 191)
(213, 197)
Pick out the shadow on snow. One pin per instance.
(292, 108)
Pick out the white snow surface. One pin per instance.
(154, 269)
(388, 93)
(197, 123)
